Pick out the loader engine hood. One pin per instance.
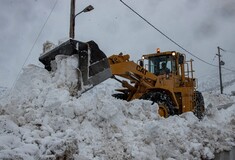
(93, 66)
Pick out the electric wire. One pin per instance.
(228, 69)
(228, 51)
(30, 51)
(224, 50)
(170, 38)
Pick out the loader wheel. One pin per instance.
(199, 107)
(120, 96)
(166, 107)
(163, 110)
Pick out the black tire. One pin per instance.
(120, 96)
(199, 106)
(162, 99)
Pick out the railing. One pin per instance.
(189, 69)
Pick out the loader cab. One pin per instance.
(160, 64)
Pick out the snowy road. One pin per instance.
(225, 106)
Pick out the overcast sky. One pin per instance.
(198, 25)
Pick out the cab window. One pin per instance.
(162, 65)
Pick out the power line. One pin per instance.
(228, 51)
(170, 38)
(225, 67)
(30, 51)
(214, 58)
(228, 69)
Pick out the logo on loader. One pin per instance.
(141, 69)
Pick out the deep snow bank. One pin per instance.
(210, 82)
(40, 120)
(2, 90)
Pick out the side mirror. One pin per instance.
(181, 59)
(140, 62)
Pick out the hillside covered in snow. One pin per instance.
(211, 83)
(40, 120)
(2, 90)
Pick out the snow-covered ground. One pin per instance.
(211, 82)
(2, 90)
(40, 120)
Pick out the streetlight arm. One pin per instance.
(77, 14)
(73, 16)
(87, 9)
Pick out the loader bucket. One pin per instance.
(93, 64)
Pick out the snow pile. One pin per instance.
(216, 99)
(230, 89)
(40, 120)
(214, 85)
(2, 90)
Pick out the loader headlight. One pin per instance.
(142, 57)
(158, 50)
(173, 53)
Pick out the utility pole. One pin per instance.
(73, 16)
(72, 19)
(220, 64)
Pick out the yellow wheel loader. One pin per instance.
(165, 78)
